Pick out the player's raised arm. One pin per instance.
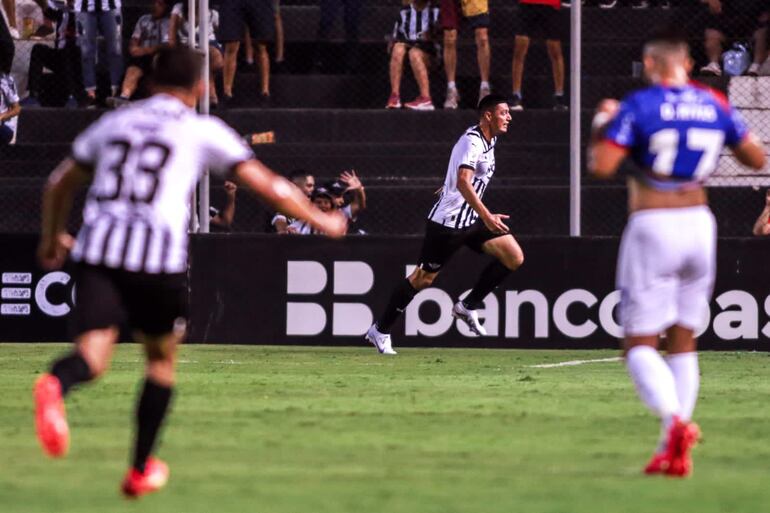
(495, 222)
(288, 199)
(55, 243)
(605, 155)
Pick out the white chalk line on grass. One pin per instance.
(572, 363)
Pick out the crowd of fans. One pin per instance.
(67, 35)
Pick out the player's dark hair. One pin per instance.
(668, 36)
(178, 67)
(299, 173)
(490, 101)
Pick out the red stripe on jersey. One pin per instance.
(614, 143)
(556, 4)
(719, 96)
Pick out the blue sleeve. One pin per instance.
(735, 127)
(622, 129)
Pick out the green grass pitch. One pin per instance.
(338, 430)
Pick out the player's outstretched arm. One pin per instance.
(287, 198)
(750, 152)
(55, 243)
(495, 222)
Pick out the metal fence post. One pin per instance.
(574, 118)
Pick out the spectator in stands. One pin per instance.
(259, 17)
(729, 19)
(330, 9)
(222, 220)
(413, 34)
(9, 108)
(327, 200)
(761, 35)
(475, 13)
(64, 59)
(305, 181)
(100, 17)
(179, 33)
(279, 57)
(8, 32)
(539, 19)
(762, 224)
(151, 31)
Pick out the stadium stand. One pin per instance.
(334, 120)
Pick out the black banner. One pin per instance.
(251, 289)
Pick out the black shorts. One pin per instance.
(441, 242)
(144, 63)
(257, 15)
(540, 22)
(426, 46)
(149, 303)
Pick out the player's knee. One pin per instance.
(482, 38)
(514, 260)
(450, 38)
(554, 49)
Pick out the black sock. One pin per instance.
(150, 412)
(71, 370)
(401, 297)
(492, 276)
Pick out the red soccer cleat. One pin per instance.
(658, 464)
(154, 478)
(50, 417)
(682, 437)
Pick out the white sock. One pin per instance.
(655, 386)
(684, 367)
(451, 85)
(484, 84)
(654, 381)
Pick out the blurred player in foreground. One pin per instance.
(459, 218)
(131, 253)
(674, 131)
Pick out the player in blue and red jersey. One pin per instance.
(674, 131)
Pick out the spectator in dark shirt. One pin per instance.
(730, 19)
(305, 181)
(63, 59)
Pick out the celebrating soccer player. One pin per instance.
(131, 252)
(459, 218)
(674, 131)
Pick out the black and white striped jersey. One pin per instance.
(146, 160)
(96, 5)
(415, 25)
(474, 152)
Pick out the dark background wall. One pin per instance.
(306, 290)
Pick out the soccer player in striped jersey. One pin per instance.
(460, 218)
(674, 131)
(143, 162)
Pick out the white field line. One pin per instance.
(572, 363)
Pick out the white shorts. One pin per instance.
(666, 269)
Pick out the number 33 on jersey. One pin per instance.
(146, 160)
(676, 134)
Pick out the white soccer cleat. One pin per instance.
(380, 340)
(470, 317)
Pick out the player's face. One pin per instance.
(501, 116)
(323, 203)
(158, 8)
(306, 184)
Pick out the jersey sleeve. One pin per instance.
(9, 91)
(622, 129)
(223, 148)
(85, 148)
(137, 34)
(736, 128)
(470, 151)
